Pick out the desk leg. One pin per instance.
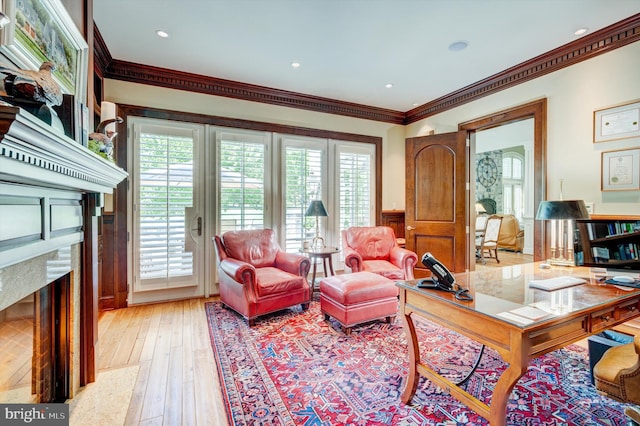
(518, 365)
(411, 386)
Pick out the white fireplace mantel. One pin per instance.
(34, 153)
(43, 176)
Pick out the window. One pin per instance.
(242, 180)
(304, 163)
(512, 182)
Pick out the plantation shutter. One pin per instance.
(242, 181)
(165, 192)
(304, 181)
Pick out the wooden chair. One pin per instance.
(488, 241)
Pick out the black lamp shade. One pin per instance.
(569, 209)
(316, 208)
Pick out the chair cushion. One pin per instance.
(371, 242)
(384, 268)
(359, 287)
(257, 247)
(613, 361)
(273, 281)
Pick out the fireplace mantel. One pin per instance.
(43, 177)
(34, 153)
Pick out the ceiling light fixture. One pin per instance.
(458, 46)
(295, 64)
(581, 31)
(162, 34)
(388, 85)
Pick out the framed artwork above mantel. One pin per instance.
(40, 31)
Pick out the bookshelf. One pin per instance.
(612, 243)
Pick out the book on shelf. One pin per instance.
(600, 254)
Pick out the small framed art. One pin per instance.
(621, 170)
(617, 123)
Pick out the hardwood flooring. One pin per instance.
(177, 382)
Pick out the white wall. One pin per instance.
(573, 94)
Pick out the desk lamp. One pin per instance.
(316, 208)
(561, 214)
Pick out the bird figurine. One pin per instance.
(38, 85)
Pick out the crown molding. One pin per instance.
(603, 41)
(162, 77)
(101, 55)
(612, 37)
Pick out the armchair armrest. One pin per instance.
(404, 259)
(293, 263)
(240, 271)
(352, 259)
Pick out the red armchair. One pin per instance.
(257, 277)
(375, 249)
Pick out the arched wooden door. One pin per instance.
(437, 199)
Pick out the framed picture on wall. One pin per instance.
(621, 170)
(617, 123)
(41, 31)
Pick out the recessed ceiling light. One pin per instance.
(388, 85)
(295, 64)
(581, 31)
(456, 46)
(162, 34)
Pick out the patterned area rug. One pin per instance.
(295, 368)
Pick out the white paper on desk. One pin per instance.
(556, 283)
(515, 318)
(530, 312)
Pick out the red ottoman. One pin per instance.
(359, 297)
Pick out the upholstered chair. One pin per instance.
(487, 242)
(256, 277)
(511, 237)
(375, 249)
(617, 374)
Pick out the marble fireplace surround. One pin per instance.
(46, 180)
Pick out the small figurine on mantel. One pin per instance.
(38, 86)
(101, 141)
(35, 91)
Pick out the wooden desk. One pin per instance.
(325, 255)
(573, 314)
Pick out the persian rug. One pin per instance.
(295, 368)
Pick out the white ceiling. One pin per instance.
(349, 49)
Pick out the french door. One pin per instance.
(168, 199)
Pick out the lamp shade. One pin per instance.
(565, 209)
(316, 208)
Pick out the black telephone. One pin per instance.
(441, 279)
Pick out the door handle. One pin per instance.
(198, 226)
(410, 228)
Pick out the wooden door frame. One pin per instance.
(538, 111)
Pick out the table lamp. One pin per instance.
(562, 213)
(316, 208)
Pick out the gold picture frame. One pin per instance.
(621, 170)
(618, 122)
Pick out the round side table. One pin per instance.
(325, 254)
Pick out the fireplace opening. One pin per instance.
(35, 340)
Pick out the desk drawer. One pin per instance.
(602, 320)
(609, 317)
(628, 310)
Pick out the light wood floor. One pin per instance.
(177, 381)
